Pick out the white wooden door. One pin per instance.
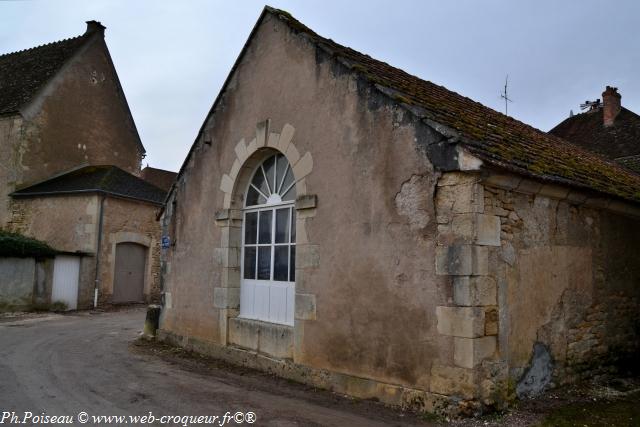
(66, 274)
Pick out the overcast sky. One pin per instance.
(172, 57)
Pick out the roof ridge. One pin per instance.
(496, 137)
(289, 17)
(3, 55)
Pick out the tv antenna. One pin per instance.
(505, 95)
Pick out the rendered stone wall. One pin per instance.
(17, 280)
(80, 118)
(10, 155)
(568, 277)
(366, 283)
(134, 222)
(70, 224)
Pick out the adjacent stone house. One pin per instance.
(607, 128)
(345, 224)
(70, 159)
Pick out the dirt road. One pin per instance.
(64, 365)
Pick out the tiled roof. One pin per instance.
(630, 162)
(24, 72)
(96, 179)
(159, 177)
(622, 139)
(495, 138)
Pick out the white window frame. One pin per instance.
(268, 300)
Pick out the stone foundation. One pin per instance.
(362, 388)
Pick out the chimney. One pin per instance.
(611, 105)
(94, 27)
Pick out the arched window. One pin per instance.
(268, 244)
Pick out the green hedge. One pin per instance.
(19, 246)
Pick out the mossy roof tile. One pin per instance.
(497, 139)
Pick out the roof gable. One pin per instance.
(495, 138)
(96, 179)
(24, 73)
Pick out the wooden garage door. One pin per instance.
(130, 270)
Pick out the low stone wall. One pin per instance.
(17, 280)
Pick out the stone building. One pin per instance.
(607, 128)
(342, 223)
(70, 159)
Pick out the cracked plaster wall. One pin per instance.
(568, 279)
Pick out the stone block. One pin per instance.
(466, 322)
(303, 167)
(226, 184)
(454, 260)
(308, 201)
(469, 352)
(491, 321)
(226, 297)
(263, 337)
(457, 199)
(273, 140)
(463, 227)
(252, 147)
(293, 155)
(285, 137)
(307, 256)
(457, 178)
(227, 257)
(222, 214)
(487, 230)
(276, 340)
(453, 381)
(554, 191)
(305, 307)
(230, 277)
(480, 260)
(577, 197)
(508, 182)
(474, 291)
(241, 151)
(528, 186)
(235, 168)
(262, 130)
(244, 333)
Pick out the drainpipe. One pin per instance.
(97, 280)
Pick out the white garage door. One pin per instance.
(66, 274)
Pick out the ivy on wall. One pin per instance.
(19, 246)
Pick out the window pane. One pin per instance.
(280, 263)
(250, 228)
(255, 198)
(264, 263)
(260, 183)
(288, 180)
(281, 166)
(293, 226)
(292, 265)
(270, 170)
(290, 195)
(282, 225)
(265, 227)
(249, 264)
